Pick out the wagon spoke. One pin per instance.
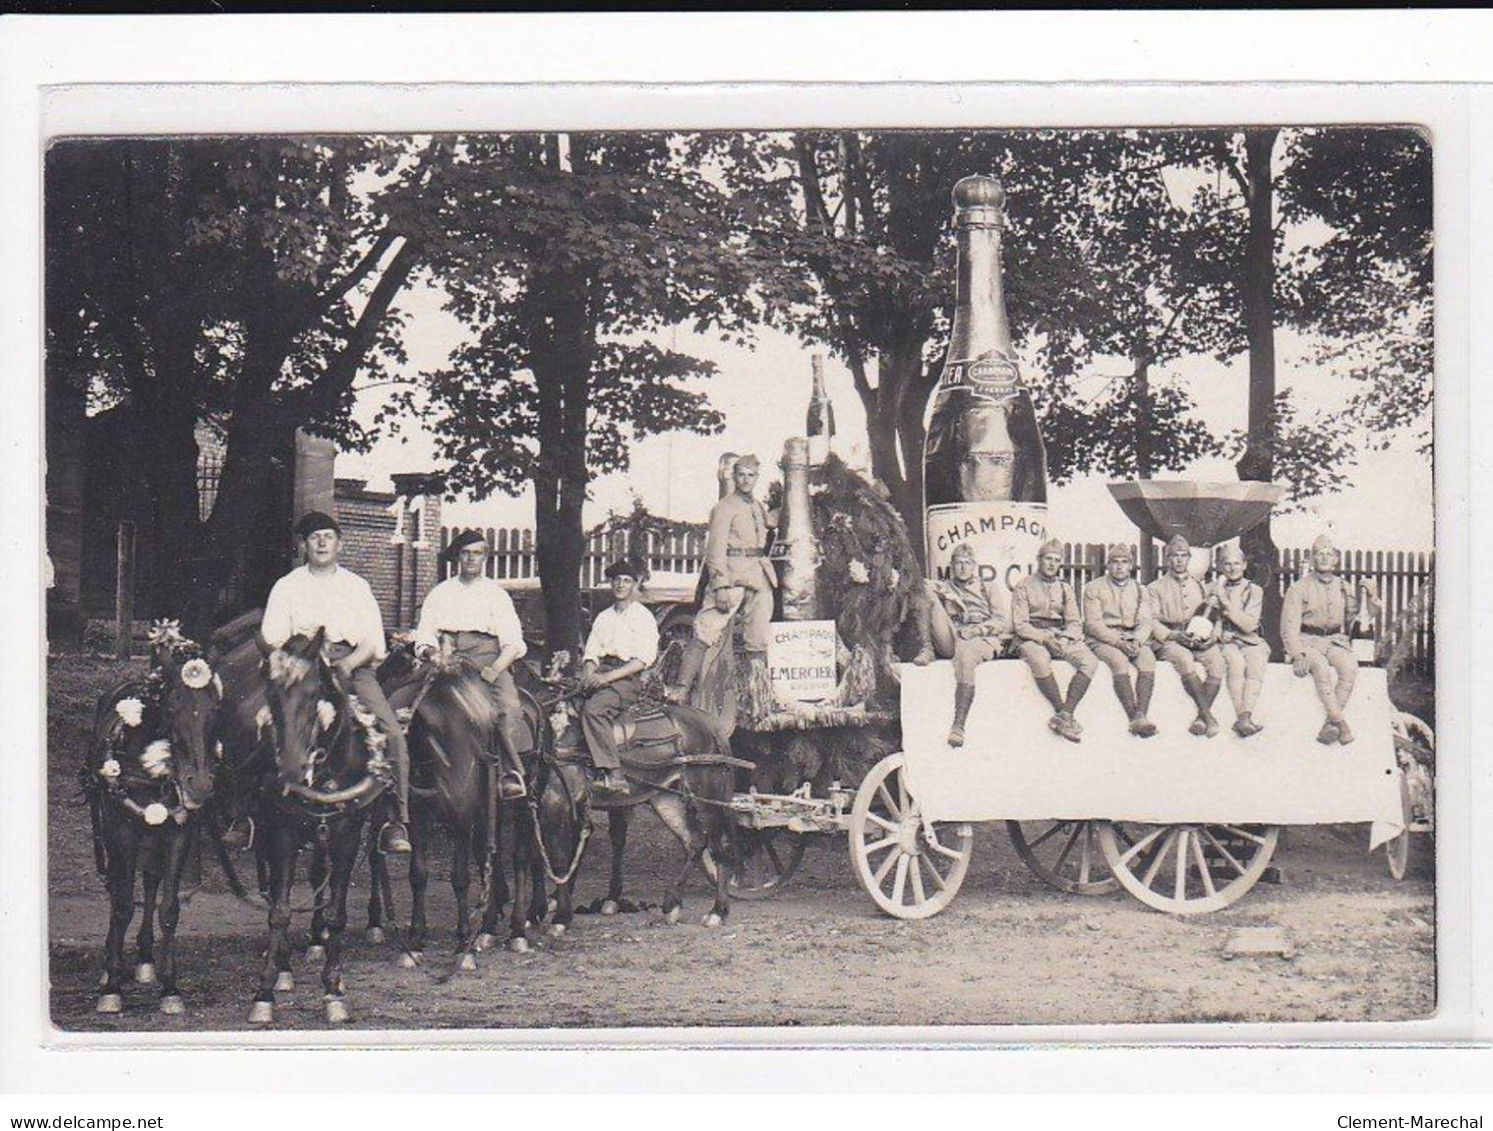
(899, 884)
(916, 867)
(881, 822)
(1086, 856)
(902, 793)
(1141, 845)
(1155, 865)
(1246, 834)
(1197, 852)
(933, 871)
(1222, 851)
(772, 852)
(1067, 848)
(1179, 890)
(1055, 827)
(886, 799)
(878, 845)
(886, 866)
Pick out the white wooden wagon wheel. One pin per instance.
(765, 861)
(911, 868)
(1064, 854)
(1187, 869)
(1415, 747)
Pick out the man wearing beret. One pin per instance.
(1176, 597)
(1117, 625)
(323, 594)
(1245, 653)
(622, 643)
(738, 575)
(968, 622)
(1044, 615)
(1314, 622)
(475, 617)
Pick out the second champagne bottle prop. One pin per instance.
(819, 422)
(984, 466)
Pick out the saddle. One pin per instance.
(647, 737)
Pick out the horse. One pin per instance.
(451, 731)
(313, 766)
(689, 788)
(148, 774)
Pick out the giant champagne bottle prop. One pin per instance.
(984, 467)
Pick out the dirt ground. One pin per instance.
(1010, 950)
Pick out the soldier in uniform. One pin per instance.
(1176, 597)
(1117, 626)
(968, 622)
(476, 617)
(323, 594)
(1245, 653)
(738, 575)
(1044, 616)
(1314, 624)
(622, 643)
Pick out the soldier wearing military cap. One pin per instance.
(622, 643)
(1117, 626)
(472, 615)
(1241, 604)
(1314, 623)
(1045, 618)
(324, 595)
(968, 622)
(738, 575)
(1176, 597)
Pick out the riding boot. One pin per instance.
(1077, 687)
(511, 776)
(1145, 683)
(1125, 693)
(689, 670)
(922, 621)
(964, 697)
(1210, 690)
(395, 836)
(1194, 690)
(1048, 685)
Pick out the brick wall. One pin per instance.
(400, 575)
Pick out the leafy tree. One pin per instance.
(562, 268)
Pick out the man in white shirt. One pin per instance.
(623, 642)
(322, 594)
(477, 619)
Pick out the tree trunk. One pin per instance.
(908, 382)
(1258, 461)
(1143, 456)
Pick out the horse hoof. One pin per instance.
(557, 930)
(712, 920)
(551, 905)
(316, 953)
(262, 1013)
(336, 1011)
(374, 934)
(671, 916)
(172, 1005)
(519, 945)
(110, 1003)
(284, 981)
(483, 941)
(409, 960)
(468, 961)
(609, 907)
(103, 977)
(145, 973)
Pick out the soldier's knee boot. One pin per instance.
(964, 697)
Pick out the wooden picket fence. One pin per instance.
(1399, 576)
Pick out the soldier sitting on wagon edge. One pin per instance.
(1117, 624)
(1044, 615)
(968, 623)
(1178, 597)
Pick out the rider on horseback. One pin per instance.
(476, 616)
(623, 642)
(323, 595)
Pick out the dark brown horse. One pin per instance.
(312, 768)
(690, 790)
(147, 776)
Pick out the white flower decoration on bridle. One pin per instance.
(196, 673)
(110, 769)
(131, 710)
(155, 759)
(326, 714)
(156, 813)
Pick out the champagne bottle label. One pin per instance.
(1004, 534)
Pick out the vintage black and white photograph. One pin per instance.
(794, 577)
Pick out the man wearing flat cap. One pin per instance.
(968, 622)
(1314, 623)
(1241, 603)
(738, 575)
(323, 594)
(1117, 626)
(472, 615)
(1177, 597)
(622, 644)
(1045, 618)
